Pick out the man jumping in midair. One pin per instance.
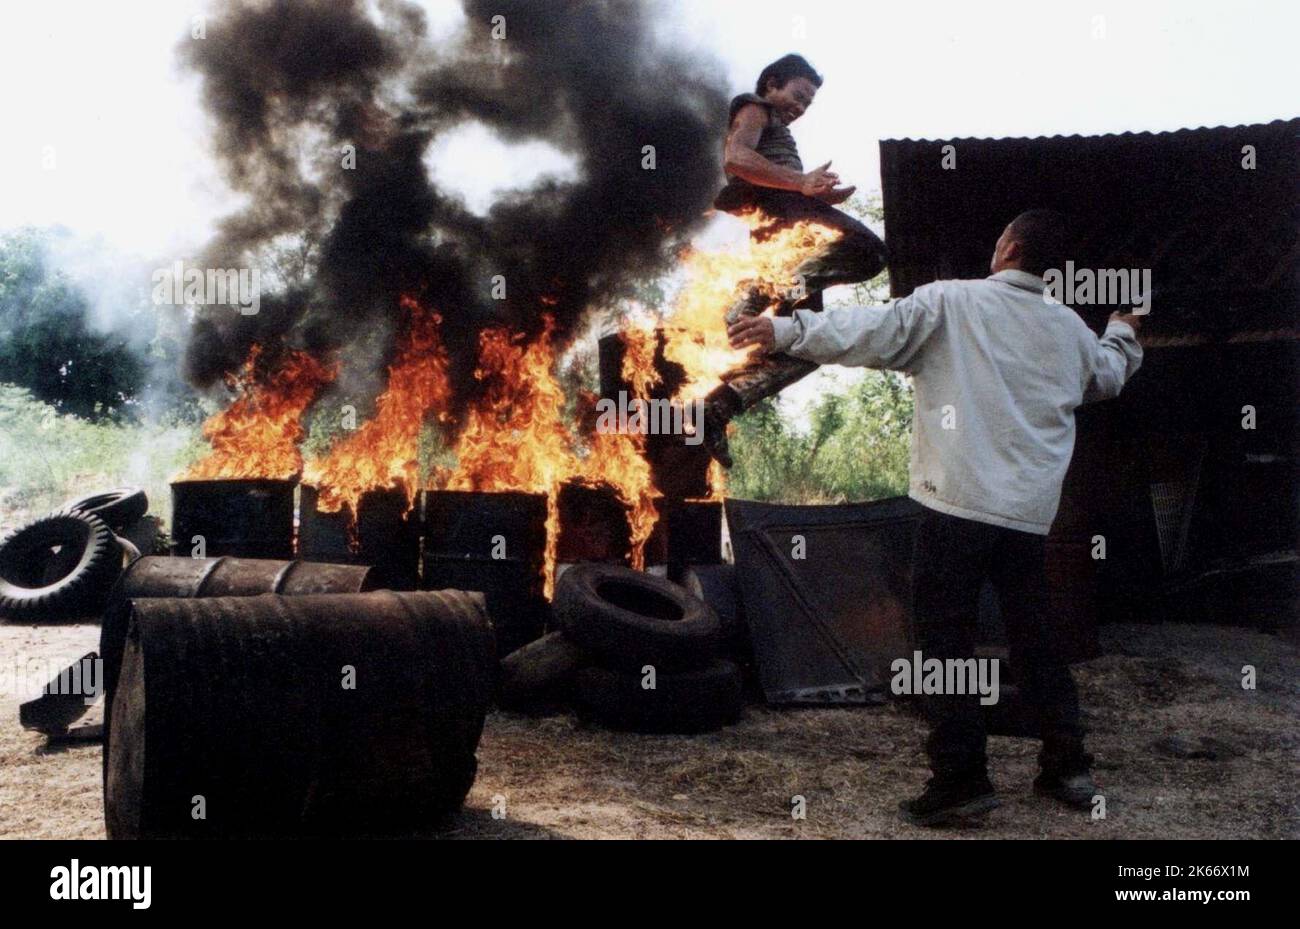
(765, 173)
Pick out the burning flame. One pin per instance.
(696, 330)
(516, 439)
(639, 347)
(619, 461)
(717, 482)
(258, 435)
(384, 453)
(516, 436)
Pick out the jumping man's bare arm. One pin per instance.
(744, 161)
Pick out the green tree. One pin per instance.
(47, 344)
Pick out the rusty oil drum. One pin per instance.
(239, 518)
(190, 578)
(244, 702)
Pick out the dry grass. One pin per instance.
(561, 778)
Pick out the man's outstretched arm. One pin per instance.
(1117, 357)
(871, 337)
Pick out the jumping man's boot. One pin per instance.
(720, 407)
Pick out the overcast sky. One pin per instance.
(98, 81)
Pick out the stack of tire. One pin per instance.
(635, 652)
(64, 565)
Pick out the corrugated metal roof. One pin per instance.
(1293, 121)
(1221, 241)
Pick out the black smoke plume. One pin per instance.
(289, 83)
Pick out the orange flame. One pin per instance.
(717, 482)
(516, 439)
(516, 436)
(618, 461)
(638, 370)
(384, 453)
(258, 435)
(695, 329)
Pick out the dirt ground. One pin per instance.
(1158, 696)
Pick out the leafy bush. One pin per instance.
(47, 457)
(855, 448)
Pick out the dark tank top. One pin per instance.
(776, 144)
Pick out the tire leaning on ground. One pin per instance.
(687, 702)
(79, 586)
(117, 508)
(630, 619)
(540, 672)
(60, 563)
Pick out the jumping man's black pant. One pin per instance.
(858, 255)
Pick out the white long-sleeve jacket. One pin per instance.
(998, 372)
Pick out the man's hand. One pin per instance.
(753, 330)
(1131, 318)
(819, 181)
(837, 196)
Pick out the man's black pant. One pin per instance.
(857, 255)
(952, 559)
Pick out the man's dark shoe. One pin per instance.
(1074, 790)
(715, 436)
(945, 803)
(719, 408)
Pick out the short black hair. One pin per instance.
(1044, 237)
(784, 70)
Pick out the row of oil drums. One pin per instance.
(288, 699)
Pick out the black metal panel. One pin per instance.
(239, 518)
(460, 553)
(385, 536)
(825, 626)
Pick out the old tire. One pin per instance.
(117, 508)
(82, 585)
(130, 554)
(540, 672)
(629, 619)
(687, 702)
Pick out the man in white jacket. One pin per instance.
(998, 370)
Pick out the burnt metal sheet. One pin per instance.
(238, 518)
(825, 626)
(461, 552)
(385, 535)
(63, 700)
